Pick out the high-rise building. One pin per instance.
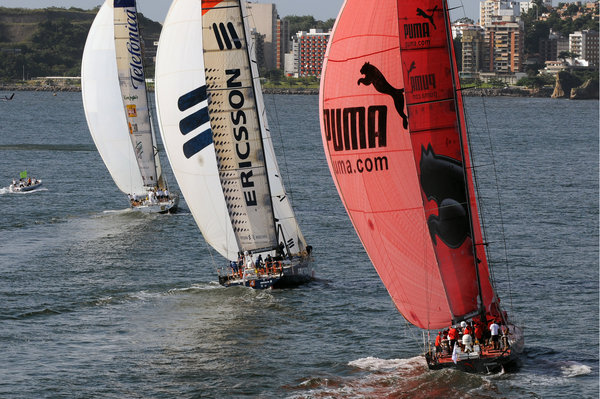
(284, 40)
(473, 48)
(585, 45)
(505, 47)
(494, 10)
(487, 9)
(548, 48)
(263, 17)
(309, 52)
(504, 36)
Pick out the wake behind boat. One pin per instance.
(114, 93)
(215, 131)
(395, 137)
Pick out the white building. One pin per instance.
(585, 45)
(528, 5)
(308, 50)
(495, 10)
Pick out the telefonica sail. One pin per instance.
(116, 107)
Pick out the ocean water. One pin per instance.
(97, 301)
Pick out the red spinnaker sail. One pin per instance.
(394, 137)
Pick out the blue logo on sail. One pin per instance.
(194, 121)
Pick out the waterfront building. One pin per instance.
(492, 10)
(309, 51)
(473, 49)
(585, 45)
(263, 18)
(505, 46)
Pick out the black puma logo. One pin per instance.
(443, 181)
(423, 14)
(375, 77)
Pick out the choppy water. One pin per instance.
(97, 301)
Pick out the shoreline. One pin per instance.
(545, 92)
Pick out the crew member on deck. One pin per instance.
(494, 330)
(467, 342)
(479, 334)
(438, 344)
(452, 336)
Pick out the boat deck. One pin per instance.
(484, 353)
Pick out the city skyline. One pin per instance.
(157, 9)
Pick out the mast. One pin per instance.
(235, 122)
(257, 91)
(460, 124)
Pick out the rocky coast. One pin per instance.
(564, 88)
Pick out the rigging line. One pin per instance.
(212, 258)
(484, 206)
(483, 210)
(289, 191)
(411, 329)
(499, 210)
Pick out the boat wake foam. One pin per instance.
(574, 369)
(379, 378)
(376, 364)
(117, 211)
(7, 190)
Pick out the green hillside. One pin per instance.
(49, 42)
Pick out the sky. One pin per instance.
(157, 9)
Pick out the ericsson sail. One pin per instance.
(214, 126)
(237, 133)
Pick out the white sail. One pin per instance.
(103, 104)
(130, 68)
(212, 116)
(181, 101)
(282, 207)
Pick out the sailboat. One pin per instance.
(116, 107)
(214, 127)
(395, 138)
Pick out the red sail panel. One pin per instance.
(371, 158)
(487, 290)
(435, 132)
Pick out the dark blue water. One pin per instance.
(97, 301)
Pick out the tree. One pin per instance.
(572, 9)
(464, 20)
(536, 81)
(563, 55)
(495, 82)
(307, 22)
